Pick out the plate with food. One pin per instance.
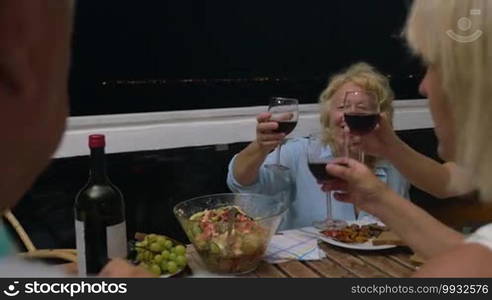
(358, 235)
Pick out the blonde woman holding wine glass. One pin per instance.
(248, 171)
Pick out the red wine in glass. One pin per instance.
(360, 123)
(285, 112)
(317, 159)
(319, 171)
(361, 114)
(285, 127)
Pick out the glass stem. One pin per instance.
(362, 157)
(346, 140)
(278, 153)
(329, 215)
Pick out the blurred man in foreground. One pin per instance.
(34, 65)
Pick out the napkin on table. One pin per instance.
(296, 244)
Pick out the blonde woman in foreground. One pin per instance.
(457, 85)
(247, 171)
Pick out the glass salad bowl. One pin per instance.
(231, 232)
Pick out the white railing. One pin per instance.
(176, 129)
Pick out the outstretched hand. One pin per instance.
(266, 137)
(354, 183)
(122, 268)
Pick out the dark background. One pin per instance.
(142, 56)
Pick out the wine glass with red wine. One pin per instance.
(318, 155)
(361, 113)
(285, 111)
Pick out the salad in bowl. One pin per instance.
(230, 231)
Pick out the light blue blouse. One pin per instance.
(308, 203)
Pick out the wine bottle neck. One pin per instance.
(98, 166)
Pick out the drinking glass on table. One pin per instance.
(285, 111)
(361, 114)
(317, 158)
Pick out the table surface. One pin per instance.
(343, 263)
(338, 263)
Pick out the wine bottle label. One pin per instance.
(116, 240)
(116, 243)
(80, 242)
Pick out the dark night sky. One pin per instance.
(186, 38)
(170, 39)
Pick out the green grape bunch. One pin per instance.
(160, 255)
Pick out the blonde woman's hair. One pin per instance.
(465, 67)
(363, 75)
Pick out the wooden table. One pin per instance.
(341, 262)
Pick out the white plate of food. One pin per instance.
(358, 235)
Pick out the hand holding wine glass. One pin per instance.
(285, 112)
(362, 188)
(317, 158)
(266, 137)
(382, 141)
